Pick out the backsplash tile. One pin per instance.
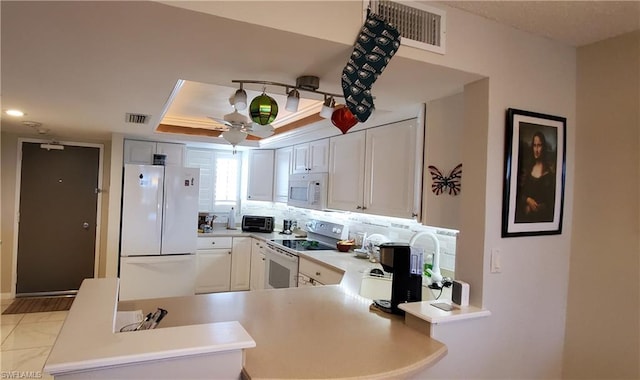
(396, 229)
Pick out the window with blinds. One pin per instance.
(219, 178)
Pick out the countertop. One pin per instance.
(354, 268)
(87, 340)
(310, 332)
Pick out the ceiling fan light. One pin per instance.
(263, 109)
(240, 99)
(327, 108)
(234, 136)
(292, 101)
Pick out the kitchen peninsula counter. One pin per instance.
(314, 332)
(89, 347)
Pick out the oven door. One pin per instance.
(281, 269)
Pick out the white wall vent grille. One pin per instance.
(137, 118)
(420, 26)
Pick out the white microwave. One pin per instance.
(308, 190)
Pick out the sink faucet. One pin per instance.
(436, 276)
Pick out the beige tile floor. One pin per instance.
(26, 342)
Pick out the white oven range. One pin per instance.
(281, 268)
(281, 258)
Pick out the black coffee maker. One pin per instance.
(406, 285)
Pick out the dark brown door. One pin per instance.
(57, 221)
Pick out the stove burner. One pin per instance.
(304, 245)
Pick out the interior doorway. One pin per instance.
(57, 220)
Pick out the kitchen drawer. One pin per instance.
(215, 242)
(320, 272)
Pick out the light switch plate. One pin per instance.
(496, 261)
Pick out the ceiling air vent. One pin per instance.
(420, 26)
(137, 118)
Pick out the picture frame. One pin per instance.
(534, 174)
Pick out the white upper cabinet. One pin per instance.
(141, 152)
(376, 171)
(391, 180)
(346, 172)
(283, 161)
(312, 157)
(260, 180)
(174, 153)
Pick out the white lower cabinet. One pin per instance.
(225, 267)
(257, 265)
(213, 270)
(213, 264)
(241, 263)
(311, 273)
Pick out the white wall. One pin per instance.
(9, 153)
(603, 314)
(443, 149)
(524, 336)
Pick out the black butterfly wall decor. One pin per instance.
(441, 183)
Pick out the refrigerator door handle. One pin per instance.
(158, 260)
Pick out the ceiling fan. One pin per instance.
(237, 122)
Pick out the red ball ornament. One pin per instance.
(343, 119)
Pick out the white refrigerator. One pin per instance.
(159, 231)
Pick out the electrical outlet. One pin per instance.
(496, 261)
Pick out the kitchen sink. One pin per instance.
(376, 287)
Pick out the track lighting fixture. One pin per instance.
(305, 83)
(263, 109)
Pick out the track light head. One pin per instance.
(292, 101)
(327, 107)
(240, 99)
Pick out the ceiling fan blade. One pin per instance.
(262, 131)
(236, 118)
(220, 121)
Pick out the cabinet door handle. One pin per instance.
(213, 243)
(364, 208)
(317, 273)
(414, 214)
(358, 207)
(229, 252)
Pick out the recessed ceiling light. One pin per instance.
(16, 113)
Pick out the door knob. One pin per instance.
(85, 225)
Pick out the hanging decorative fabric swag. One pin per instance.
(376, 44)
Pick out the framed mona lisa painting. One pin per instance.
(534, 172)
